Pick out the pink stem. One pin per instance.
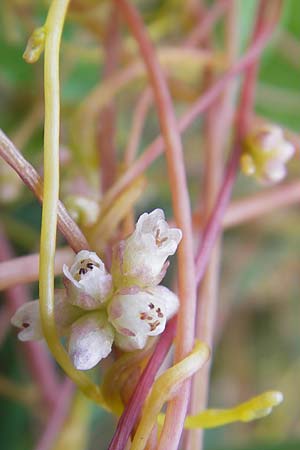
(218, 125)
(243, 210)
(32, 179)
(37, 357)
(25, 269)
(181, 207)
(213, 226)
(133, 408)
(156, 148)
(205, 25)
(138, 122)
(58, 417)
(106, 135)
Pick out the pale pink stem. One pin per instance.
(106, 133)
(217, 127)
(255, 206)
(58, 417)
(213, 226)
(206, 24)
(182, 212)
(31, 178)
(133, 408)
(37, 357)
(156, 148)
(138, 122)
(25, 269)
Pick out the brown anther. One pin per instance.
(143, 316)
(25, 325)
(82, 271)
(90, 265)
(151, 306)
(154, 325)
(158, 240)
(159, 313)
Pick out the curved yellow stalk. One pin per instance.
(53, 30)
(164, 387)
(255, 408)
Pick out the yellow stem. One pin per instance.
(53, 30)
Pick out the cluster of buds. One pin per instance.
(266, 152)
(97, 309)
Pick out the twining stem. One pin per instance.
(216, 126)
(202, 30)
(31, 178)
(213, 225)
(153, 151)
(132, 409)
(53, 31)
(157, 146)
(238, 212)
(182, 214)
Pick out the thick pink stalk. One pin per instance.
(37, 358)
(58, 417)
(181, 207)
(133, 408)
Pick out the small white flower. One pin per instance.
(91, 339)
(137, 313)
(87, 282)
(141, 259)
(27, 317)
(266, 153)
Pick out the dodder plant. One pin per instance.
(112, 306)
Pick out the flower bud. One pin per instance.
(266, 153)
(91, 339)
(87, 282)
(141, 260)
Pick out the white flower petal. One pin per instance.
(142, 313)
(87, 282)
(130, 343)
(285, 151)
(91, 339)
(142, 259)
(27, 317)
(274, 170)
(168, 299)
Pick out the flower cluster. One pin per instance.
(97, 309)
(266, 153)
